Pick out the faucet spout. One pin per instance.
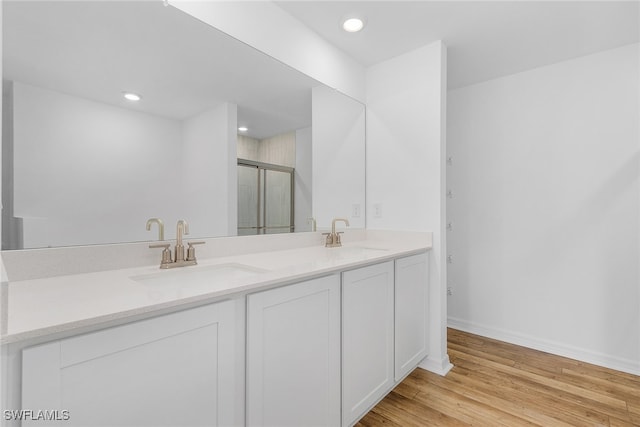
(181, 228)
(333, 238)
(333, 224)
(160, 227)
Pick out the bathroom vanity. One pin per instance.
(301, 335)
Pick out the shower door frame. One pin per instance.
(261, 227)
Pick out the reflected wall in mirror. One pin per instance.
(338, 158)
(83, 165)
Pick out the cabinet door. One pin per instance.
(412, 302)
(293, 355)
(367, 338)
(181, 369)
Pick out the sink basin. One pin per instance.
(198, 275)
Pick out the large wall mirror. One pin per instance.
(81, 164)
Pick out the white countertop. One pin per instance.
(38, 308)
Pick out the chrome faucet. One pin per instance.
(181, 228)
(158, 221)
(333, 238)
(178, 260)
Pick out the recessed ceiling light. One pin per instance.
(243, 128)
(131, 96)
(353, 25)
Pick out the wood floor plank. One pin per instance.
(508, 394)
(550, 382)
(550, 397)
(467, 409)
(407, 390)
(544, 410)
(614, 422)
(634, 412)
(373, 418)
(628, 389)
(498, 357)
(500, 384)
(400, 410)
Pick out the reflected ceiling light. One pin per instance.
(353, 25)
(131, 96)
(243, 128)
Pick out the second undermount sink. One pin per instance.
(199, 275)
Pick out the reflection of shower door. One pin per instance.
(265, 198)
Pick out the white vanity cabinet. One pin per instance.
(367, 338)
(411, 311)
(320, 352)
(180, 369)
(385, 330)
(293, 355)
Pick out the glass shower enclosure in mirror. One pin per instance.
(265, 198)
(83, 165)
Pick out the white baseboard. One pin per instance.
(560, 349)
(437, 366)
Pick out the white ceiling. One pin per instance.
(485, 39)
(181, 66)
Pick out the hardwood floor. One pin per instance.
(498, 384)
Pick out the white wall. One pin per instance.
(127, 161)
(1, 133)
(270, 29)
(11, 226)
(405, 150)
(210, 175)
(338, 134)
(87, 172)
(545, 209)
(303, 180)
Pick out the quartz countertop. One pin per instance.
(63, 305)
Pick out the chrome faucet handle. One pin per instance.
(191, 251)
(166, 254)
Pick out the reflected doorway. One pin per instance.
(265, 198)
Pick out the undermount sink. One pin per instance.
(199, 275)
